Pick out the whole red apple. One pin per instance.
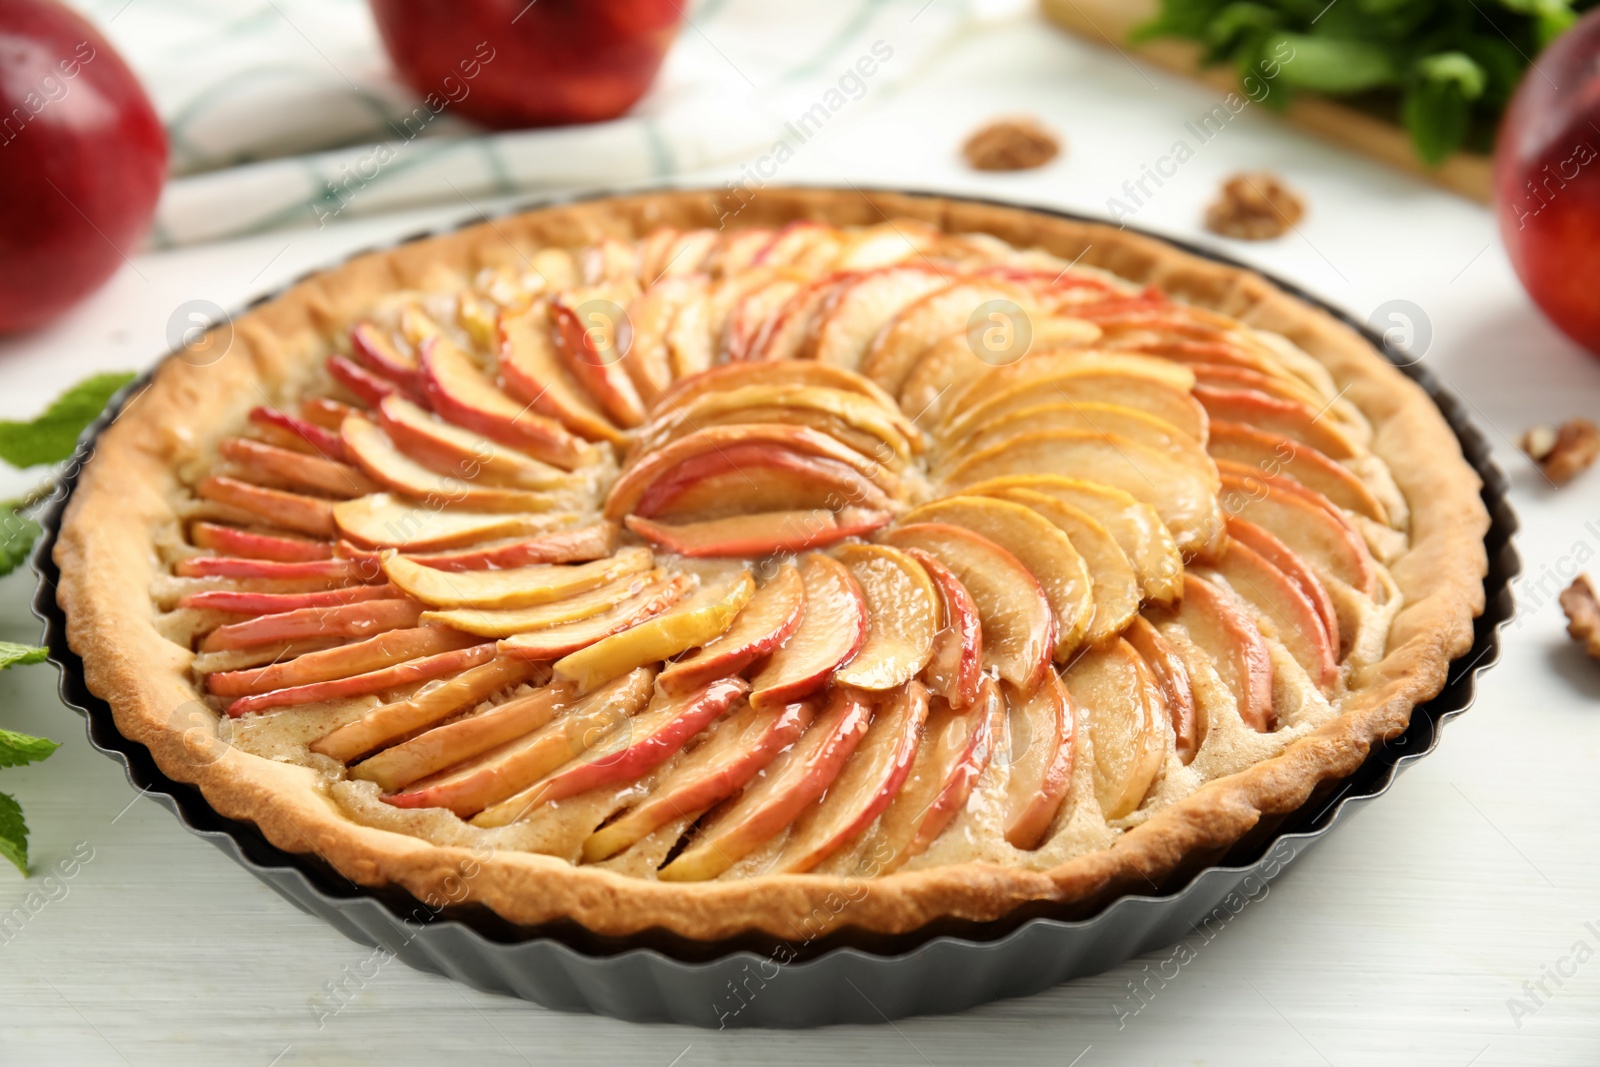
(82, 156)
(510, 63)
(1547, 182)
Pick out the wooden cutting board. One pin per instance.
(1107, 22)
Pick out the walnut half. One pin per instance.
(1255, 206)
(1565, 452)
(1017, 143)
(1583, 614)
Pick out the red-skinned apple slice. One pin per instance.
(374, 350)
(790, 783)
(804, 244)
(736, 250)
(646, 354)
(274, 507)
(1306, 522)
(325, 412)
(319, 440)
(761, 534)
(451, 450)
(459, 390)
(361, 383)
(361, 619)
(411, 672)
(795, 373)
(1018, 625)
(232, 541)
(831, 631)
(863, 789)
(955, 665)
(737, 750)
(944, 368)
(1082, 380)
(333, 571)
(250, 603)
(747, 478)
(652, 737)
(894, 349)
(1293, 616)
(388, 723)
(1288, 418)
(766, 622)
(513, 621)
(1039, 750)
(1221, 629)
(870, 248)
(586, 344)
(579, 545)
(553, 642)
(787, 333)
(269, 465)
(860, 308)
(753, 309)
(1127, 724)
(1167, 667)
(394, 470)
(1293, 567)
(384, 521)
(535, 373)
(517, 588)
(361, 657)
(1087, 417)
(903, 612)
(1274, 454)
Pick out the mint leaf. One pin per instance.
(53, 436)
(17, 535)
(13, 833)
(17, 749)
(1437, 107)
(12, 654)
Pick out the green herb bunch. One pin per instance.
(1446, 69)
(49, 439)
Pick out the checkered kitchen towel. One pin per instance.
(273, 105)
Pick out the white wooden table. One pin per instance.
(1401, 940)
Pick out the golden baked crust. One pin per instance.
(125, 496)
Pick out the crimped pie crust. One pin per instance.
(108, 561)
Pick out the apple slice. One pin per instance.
(274, 507)
(1112, 579)
(1221, 629)
(1167, 667)
(1138, 530)
(384, 521)
(578, 545)
(393, 469)
(736, 250)
(1288, 418)
(790, 784)
(332, 571)
(956, 748)
(459, 390)
(894, 349)
(737, 750)
(1039, 545)
(795, 373)
(375, 653)
(803, 244)
(1020, 384)
(875, 247)
(1018, 625)
(303, 436)
(512, 621)
(325, 413)
(231, 540)
(400, 675)
(955, 663)
(832, 630)
(861, 307)
(586, 343)
(759, 535)
(553, 642)
(700, 619)
(690, 345)
(451, 450)
(1039, 750)
(1185, 500)
(646, 354)
(652, 737)
(609, 259)
(944, 369)
(1297, 570)
(787, 334)
(754, 303)
(1294, 618)
(854, 419)
(511, 768)
(1306, 522)
(1127, 724)
(516, 588)
(388, 723)
(534, 372)
(863, 789)
(361, 383)
(747, 478)
(376, 351)
(769, 620)
(251, 603)
(265, 464)
(1088, 417)
(903, 614)
(360, 619)
(1273, 454)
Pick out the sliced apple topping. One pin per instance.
(849, 416)
(1018, 624)
(411, 672)
(251, 603)
(863, 306)
(1113, 378)
(1297, 570)
(801, 373)
(535, 374)
(1230, 639)
(578, 545)
(1127, 724)
(232, 541)
(833, 627)
(749, 478)
(586, 343)
(1294, 618)
(955, 662)
(791, 782)
(270, 465)
(384, 463)
(1089, 417)
(1172, 676)
(894, 349)
(450, 450)
(384, 650)
(767, 621)
(377, 351)
(1288, 418)
(762, 534)
(553, 642)
(1273, 454)
(384, 521)
(903, 612)
(1306, 522)
(511, 621)
(1038, 750)
(273, 507)
(516, 588)
(359, 619)
(362, 384)
(459, 390)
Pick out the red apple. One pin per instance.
(509, 63)
(84, 159)
(1547, 182)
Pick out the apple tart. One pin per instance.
(628, 564)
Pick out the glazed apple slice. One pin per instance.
(697, 621)
(1174, 407)
(1172, 676)
(1306, 522)
(1039, 750)
(956, 748)
(863, 306)
(1019, 384)
(646, 354)
(786, 334)
(265, 464)
(1297, 570)
(762, 534)
(273, 507)
(955, 662)
(883, 245)
(1018, 625)
(1293, 616)
(748, 478)
(948, 366)
(388, 723)
(1288, 418)
(516, 588)
(580, 545)
(1228, 637)
(1039, 545)
(1126, 721)
(394, 470)
(903, 614)
(803, 244)
(652, 737)
(384, 521)
(770, 619)
(232, 541)
(553, 642)
(512, 621)
(325, 413)
(400, 675)
(739, 748)
(1274, 454)
(856, 420)
(586, 343)
(791, 782)
(459, 390)
(894, 349)
(300, 434)
(737, 249)
(1088, 417)
(534, 373)
(832, 630)
(366, 387)
(870, 779)
(376, 351)
(360, 657)
(252, 603)
(331, 571)
(451, 450)
(609, 259)
(1185, 500)
(511, 768)
(795, 373)
(753, 307)
(360, 619)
